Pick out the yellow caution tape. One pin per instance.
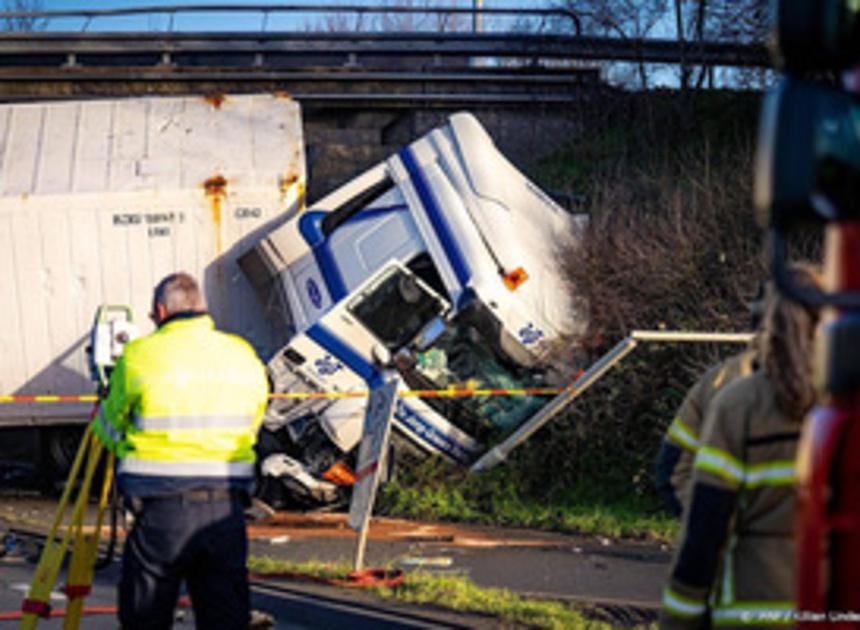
(420, 393)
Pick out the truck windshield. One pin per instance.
(464, 357)
(396, 308)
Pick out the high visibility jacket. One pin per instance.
(736, 558)
(185, 402)
(686, 427)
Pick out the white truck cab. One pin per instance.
(444, 257)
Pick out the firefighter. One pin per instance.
(736, 555)
(182, 415)
(674, 466)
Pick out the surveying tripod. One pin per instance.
(113, 328)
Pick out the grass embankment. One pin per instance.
(451, 593)
(436, 491)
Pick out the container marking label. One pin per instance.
(157, 223)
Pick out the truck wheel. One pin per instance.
(59, 447)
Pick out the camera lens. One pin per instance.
(817, 34)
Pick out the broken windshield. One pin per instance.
(464, 357)
(397, 307)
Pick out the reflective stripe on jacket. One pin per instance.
(748, 454)
(687, 425)
(185, 401)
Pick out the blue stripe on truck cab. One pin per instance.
(437, 218)
(310, 226)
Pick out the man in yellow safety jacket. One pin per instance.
(182, 416)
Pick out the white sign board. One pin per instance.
(371, 452)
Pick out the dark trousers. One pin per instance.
(202, 542)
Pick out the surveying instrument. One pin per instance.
(112, 329)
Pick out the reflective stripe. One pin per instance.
(725, 466)
(720, 463)
(755, 614)
(136, 466)
(727, 597)
(681, 606)
(107, 429)
(170, 423)
(684, 435)
(778, 473)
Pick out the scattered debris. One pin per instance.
(439, 561)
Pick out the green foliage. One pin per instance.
(267, 565)
(449, 592)
(437, 490)
(461, 594)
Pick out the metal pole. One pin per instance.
(372, 455)
(477, 17)
(700, 337)
(360, 545)
(498, 454)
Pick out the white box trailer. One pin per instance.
(100, 199)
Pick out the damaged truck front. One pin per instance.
(444, 262)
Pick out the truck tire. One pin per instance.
(59, 447)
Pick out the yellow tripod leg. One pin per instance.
(36, 604)
(83, 562)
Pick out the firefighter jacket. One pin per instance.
(736, 557)
(675, 462)
(185, 404)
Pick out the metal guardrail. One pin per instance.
(554, 65)
(143, 49)
(595, 372)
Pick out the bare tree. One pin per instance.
(23, 23)
(436, 21)
(741, 21)
(627, 19)
(344, 22)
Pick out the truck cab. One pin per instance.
(446, 261)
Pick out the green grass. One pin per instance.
(452, 593)
(313, 568)
(435, 491)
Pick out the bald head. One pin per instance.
(177, 293)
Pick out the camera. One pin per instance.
(816, 35)
(808, 160)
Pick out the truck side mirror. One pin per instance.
(429, 334)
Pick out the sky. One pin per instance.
(235, 21)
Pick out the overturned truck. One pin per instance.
(443, 262)
(444, 257)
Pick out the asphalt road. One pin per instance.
(620, 581)
(295, 607)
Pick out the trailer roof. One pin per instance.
(148, 144)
